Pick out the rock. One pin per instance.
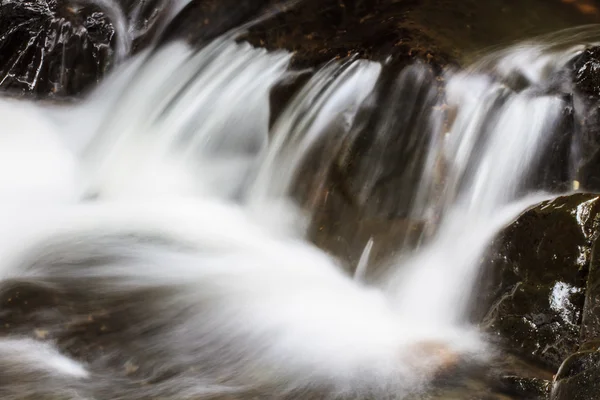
(283, 92)
(508, 375)
(525, 388)
(586, 77)
(320, 30)
(204, 20)
(590, 324)
(553, 172)
(51, 47)
(578, 377)
(60, 48)
(386, 162)
(532, 291)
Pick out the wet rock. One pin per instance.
(553, 172)
(532, 291)
(578, 377)
(586, 77)
(204, 20)
(63, 47)
(340, 229)
(511, 376)
(386, 162)
(283, 92)
(146, 19)
(590, 324)
(320, 30)
(53, 47)
(525, 388)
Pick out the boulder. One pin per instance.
(578, 377)
(590, 321)
(586, 79)
(318, 31)
(52, 47)
(533, 287)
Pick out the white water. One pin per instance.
(494, 143)
(176, 145)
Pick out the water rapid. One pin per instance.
(161, 209)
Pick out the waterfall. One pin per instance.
(164, 200)
(491, 150)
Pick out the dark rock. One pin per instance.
(586, 77)
(590, 324)
(63, 47)
(533, 287)
(578, 377)
(147, 20)
(52, 47)
(366, 187)
(204, 20)
(525, 388)
(553, 172)
(587, 73)
(282, 93)
(320, 30)
(387, 159)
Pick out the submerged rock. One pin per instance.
(534, 282)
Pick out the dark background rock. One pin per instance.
(533, 286)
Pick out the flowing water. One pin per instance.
(163, 200)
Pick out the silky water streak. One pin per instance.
(140, 226)
(136, 217)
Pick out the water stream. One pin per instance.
(166, 192)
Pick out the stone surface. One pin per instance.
(321, 30)
(51, 47)
(553, 172)
(525, 388)
(204, 20)
(578, 377)
(534, 281)
(386, 162)
(590, 325)
(586, 77)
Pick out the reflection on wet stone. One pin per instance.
(534, 282)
